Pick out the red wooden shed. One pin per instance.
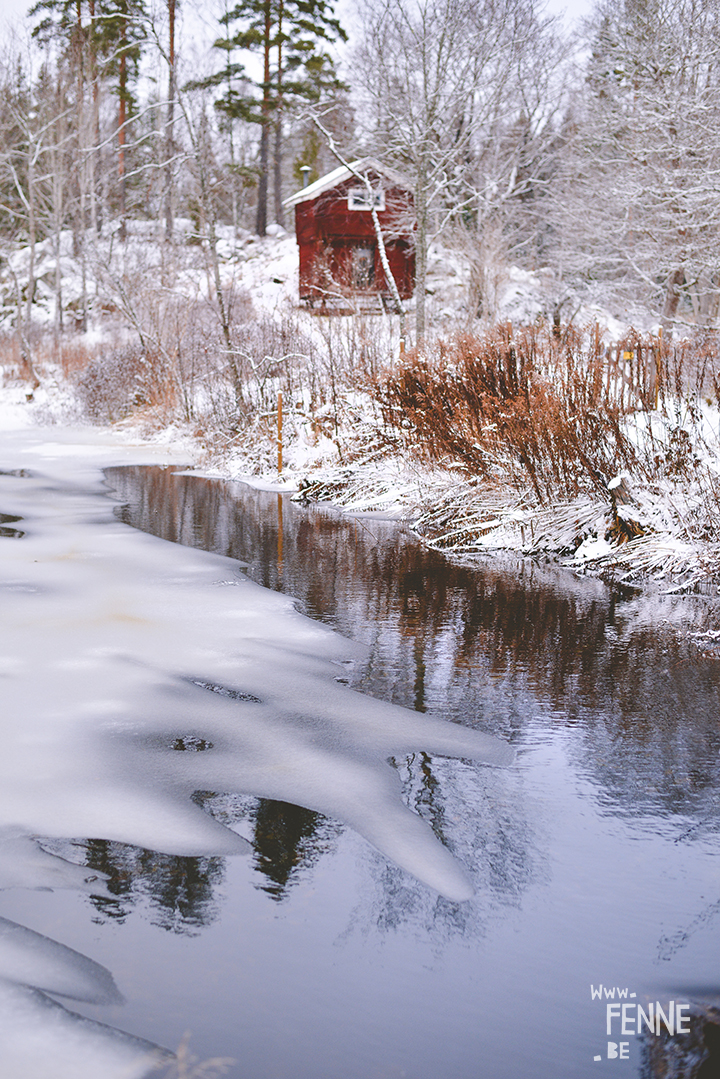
(336, 236)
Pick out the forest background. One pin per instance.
(146, 150)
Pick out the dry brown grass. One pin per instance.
(41, 351)
(526, 410)
(74, 355)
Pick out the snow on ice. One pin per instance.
(114, 644)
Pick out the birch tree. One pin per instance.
(642, 184)
(37, 203)
(436, 77)
(170, 122)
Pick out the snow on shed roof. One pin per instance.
(337, 176)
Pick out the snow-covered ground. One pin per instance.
(333, 450)
(267, 269)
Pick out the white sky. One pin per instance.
(572, 9)
(16, 10)
(575, 8)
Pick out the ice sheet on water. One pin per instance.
(25, 864)
(120, 653)
(117, 650)
(36, 960)
(39, 1038)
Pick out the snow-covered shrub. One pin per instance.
(558, 417)
(512, 409)
(120, 380)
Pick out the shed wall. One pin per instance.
(338, 246)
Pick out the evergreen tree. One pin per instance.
(100, 38)
(292, 38)
(121, 34)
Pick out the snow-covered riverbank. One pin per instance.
(642, 508)
(664, 543)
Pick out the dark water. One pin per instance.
(6, 529)
(595, 857)
(451, 636)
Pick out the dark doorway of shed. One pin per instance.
(363, 266)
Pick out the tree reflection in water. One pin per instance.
(178, 890)
(7, 519)
(285, 840)
(478, 642)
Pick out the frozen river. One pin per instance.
(293, 792)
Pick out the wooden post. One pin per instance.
(279, 433)
(627, 379)
(597, 368)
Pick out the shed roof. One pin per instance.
(339, 175)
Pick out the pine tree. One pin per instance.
(292, 37)
(121, 36)
(106, 39)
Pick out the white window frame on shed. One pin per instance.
(358, 199)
